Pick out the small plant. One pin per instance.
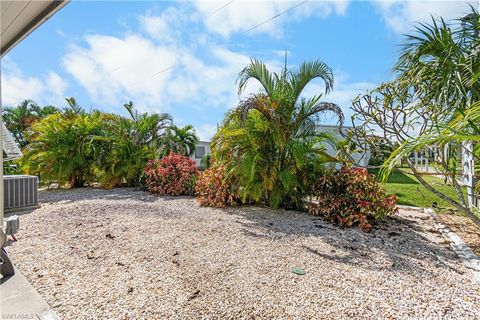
(206, 161)
(172, 175)
(215, 189)
(352, 196)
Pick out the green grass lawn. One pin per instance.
(410, 192)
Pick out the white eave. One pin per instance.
(19, 18)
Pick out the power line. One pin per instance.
(275, 16)
(154, 75)
(170, 67)
(222, 7)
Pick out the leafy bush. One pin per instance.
(172, 175)
(63, 148)
(215, 189)
(351, 196)
(74, 147)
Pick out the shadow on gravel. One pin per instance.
(79, 194)
(398, 243)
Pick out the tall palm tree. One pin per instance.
(272, 139)
(181, 140)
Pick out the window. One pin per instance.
(199, 152)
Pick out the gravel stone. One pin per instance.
(126, 254)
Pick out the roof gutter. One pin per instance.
(33, 24)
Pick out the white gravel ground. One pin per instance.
(125, 254)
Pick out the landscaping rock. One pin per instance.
(172, 259)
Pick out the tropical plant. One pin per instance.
(453, 134)
(130, 144)
(19, 119)
(437, 84)
(271, 142)
(351, 196)
(173, 175)
(206, 161)
(73, 106)
(215, 188)
(440, 64)
(63, 148)
(181, 140)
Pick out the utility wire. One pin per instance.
(222, 7)
(170, 67)
(275, 16)
(154, 75)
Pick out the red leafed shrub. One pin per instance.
(351, 196)
(173, 175)
(214, 189)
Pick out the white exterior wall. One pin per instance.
(361, 158)
(198, 159)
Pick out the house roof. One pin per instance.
(11, 150)
(19, 18)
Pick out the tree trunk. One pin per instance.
(442, 196)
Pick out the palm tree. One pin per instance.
(181, 140)
(272, 139)
(19, 119)
(440, 67)
(148, 128)
(132, 142)
(440, 64)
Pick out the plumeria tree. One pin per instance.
(430, 106)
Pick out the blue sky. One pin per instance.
(183, 57)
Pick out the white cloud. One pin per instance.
(56, 86)
(400, 15)
(17, 87)
(239, 16)
(207, 83)
(206, 131)
(169, 25)
(114, 70)
(201, 74)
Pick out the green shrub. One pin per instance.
(63, 148)
(351, 196)
(215, 189)
(172, 175)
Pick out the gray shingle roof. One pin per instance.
(11, 150)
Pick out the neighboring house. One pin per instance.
(202, 148)
(11, 151)
(361, 159)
